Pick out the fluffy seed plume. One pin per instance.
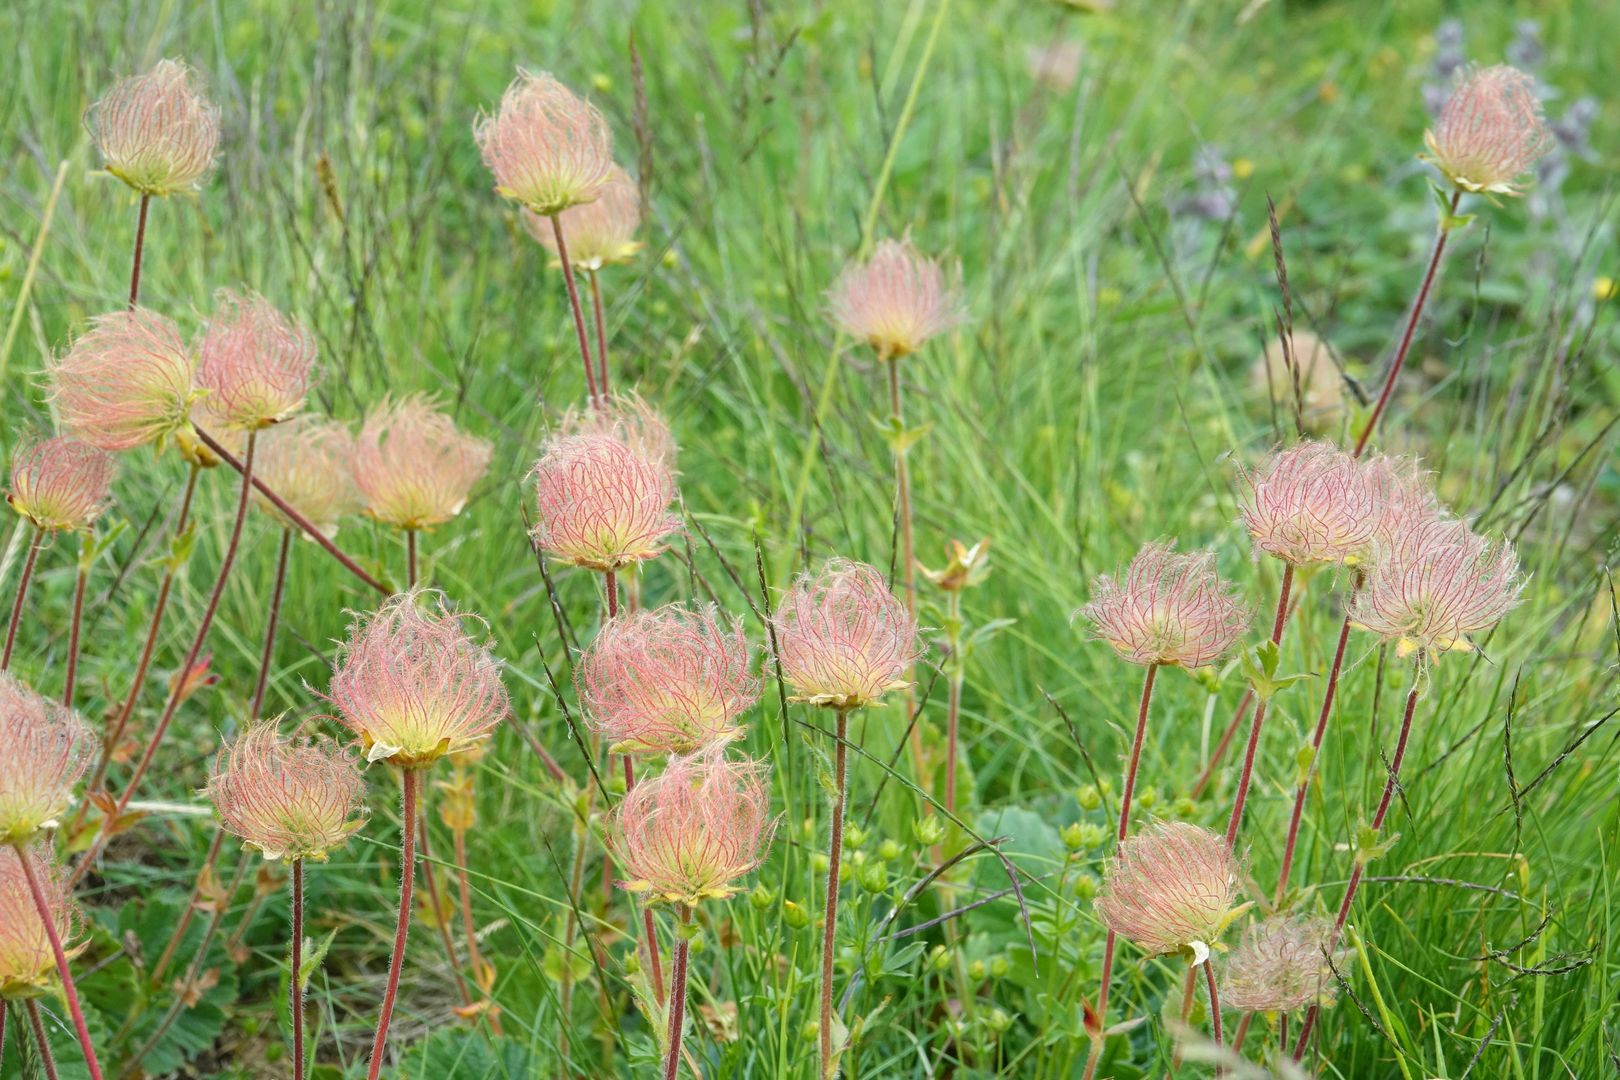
(255, 364)
(27, 962)
(548, 148)
(1490, 131)
(156, 132)
(60, 483)
(692, 832)
(1405, 495)
(1280, 965)
(895, 301)
(417, 681)
(667, 681)
(1434, 584)
(306, 461)
(844, 639)
(288, 798)
(1166, 608)
(1170, 887)
(412, 465)
(125, 382)
(1311, 504)
(44, 750)
(599, 233)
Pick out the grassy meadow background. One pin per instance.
(1098, 397)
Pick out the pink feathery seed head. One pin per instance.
(61, 483)
(44, 750)
(602, 501)
(599, 233)
(1435, 583)
(256, 365)
(1166, 608)
(548, 148)
(667, 681)
(290, 798)
(843, 638)
(630, 420)
(1490, 131)
(1281, 964)
(1171, 886)
(1311, 505)
(416, 681)
(156, 131)
(125, 382)
(27, 961)
(307, 462)
(692, 832)
(412, 465)
(1405, 495)
(895, 301)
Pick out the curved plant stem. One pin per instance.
(601, 332)
(1223, 742)
(1243, 1031)
(573, 302)
(1441, 234)
(22, 594)
(140, 249)
(70, 679)
(408, 781)
(953, 703)
(677, 997)
(410, 558)
(611, 581)
(648, 932)
(1214, 1015)
(829, 933)
(1235, 823)
(183, 676)
(69, 991)
(271, 622)
(190, 910)
(1391, 782)
(47, 1060)
(295, 992)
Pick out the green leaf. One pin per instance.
(313, 959)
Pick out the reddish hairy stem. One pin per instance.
(573, 303)
(408, 781)
(410, 558)
(1243, 1032)
(1214, 1014)
(677, 999)
(47, 1059)
(140, 248)
(611, 581)
(655, 965)
(70, 679)
(1235, 823)
(295, 992)
(601, 332)
(22, 594)
(69, 991)
(834, 858)
(190, 909)
(272, 620)
(1223, 742)
(1411, 329)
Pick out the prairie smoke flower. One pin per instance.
(843, 638)
(1435, 583)
(60, 483)
(27, 962)
(306, 461)
(548, 148)
(603, 489)
(1405, 494)
(288, 798)
(691, 832)
(599, 233)
(1280, 965)
(124, 383)
(255, 363)
(412, 465)
(44, 750)
(667, 681)
(417, 684)
(1172, 886)
(1311, 505)
(895, 301)
(1166, 608)
(157, 133)
(1490, 131)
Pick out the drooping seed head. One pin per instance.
(1434, 584)
(694, 831)
(667, 681)
(548, 148)
(307, 462)
(44, 750)
(843, 638)
(599, 233)
(412, 465)
(1166, 608)
(1311, 504)
(289, 798)
(417, 681)
(895, 301)
(1170, 887)
(1405, 495)
(156, 132)
(27, 961)
(124, 383)
(256, 365)
(1280, 965)
(60, 483)
(1490, 131)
